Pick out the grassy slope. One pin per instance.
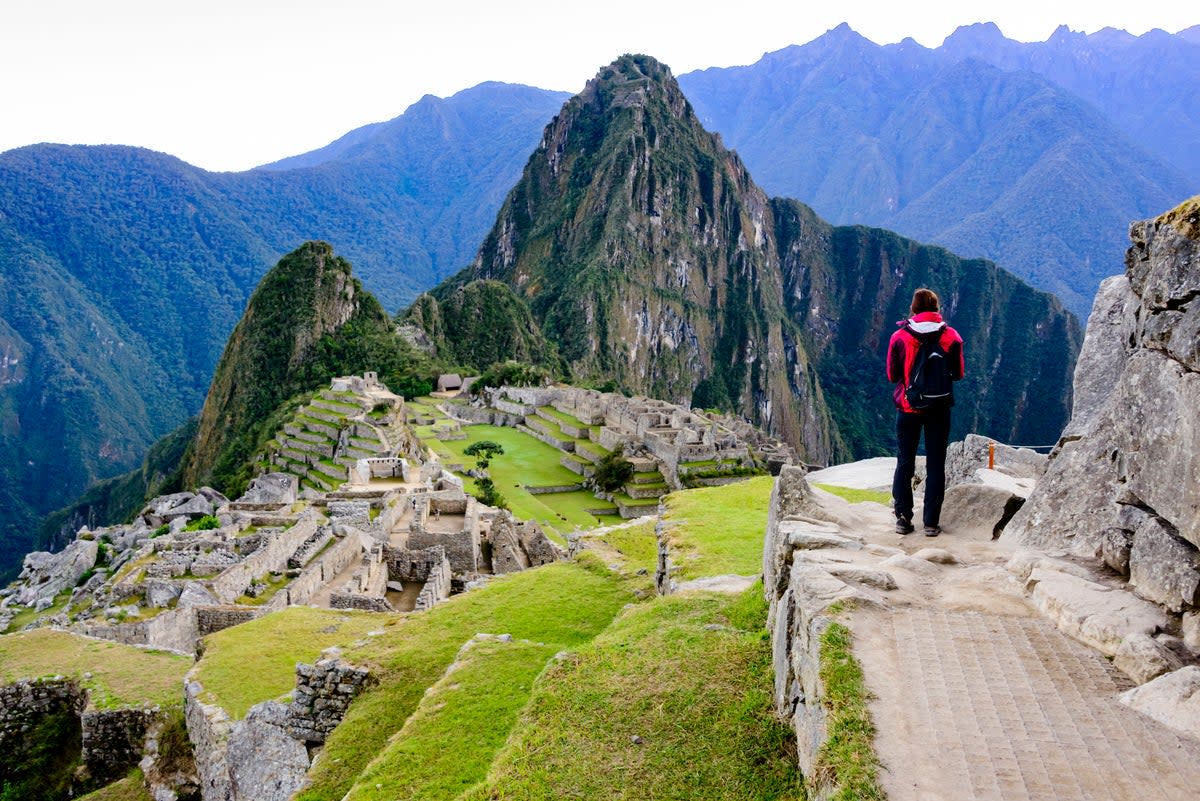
(719, 530)
(449, 742)
(131, 788)
(256, 661)
(121, 675)
(563, 605)
(697, 698)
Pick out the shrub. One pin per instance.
(203, 524)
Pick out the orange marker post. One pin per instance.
(991, 456)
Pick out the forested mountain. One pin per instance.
(942, 146)
(648, 256)
(124, 271)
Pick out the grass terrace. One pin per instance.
(256, 661)
(673, 701)
(719, 530)
(527, 462)
(121, 675)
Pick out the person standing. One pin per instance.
(925, 357)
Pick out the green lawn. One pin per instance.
(697, 700)
(121, 675)
(527, 462)
(256, 661)
(563, 605)
(719, 530)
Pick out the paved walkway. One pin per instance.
(979, 697)
(978, 706)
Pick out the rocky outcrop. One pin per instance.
(518, 546)
(265, 756)
(1123, 485)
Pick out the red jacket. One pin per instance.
(902, 350)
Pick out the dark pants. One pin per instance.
(908, 435)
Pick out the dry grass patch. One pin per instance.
(120, 675)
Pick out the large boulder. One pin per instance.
(44, 575)
(978, 511)
(1124, 483)
(271, 488)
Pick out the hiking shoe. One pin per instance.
(904, 525)
(932, 531)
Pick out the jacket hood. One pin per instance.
(923, 323)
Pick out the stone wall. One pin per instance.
(323, 694)
(799, 594)
(24, 703)
(265, 757)
(1123, 485)
(272, 556)
(114, 740)
(173, 630)
(319, 573)
(211, 619)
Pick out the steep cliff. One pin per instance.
(649, 257)
(309, 319)
(1124, 483)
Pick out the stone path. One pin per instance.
(978, 706)
(978, 697)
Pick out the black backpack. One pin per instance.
(929, 382)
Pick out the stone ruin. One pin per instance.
(404, 538)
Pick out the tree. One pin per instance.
(484, 451)
(613, 472)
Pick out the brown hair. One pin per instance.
(925, 300)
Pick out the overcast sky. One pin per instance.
(230, 84)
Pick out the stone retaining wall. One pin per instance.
(552, 490)
(24, 703)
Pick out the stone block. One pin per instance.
(1172, 699)
(978, 511)
(1099, 616)
(1164, 568)
(1141, 658)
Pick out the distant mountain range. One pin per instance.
(982, 145)
(122, 271)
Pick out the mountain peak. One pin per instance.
(979, 33)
